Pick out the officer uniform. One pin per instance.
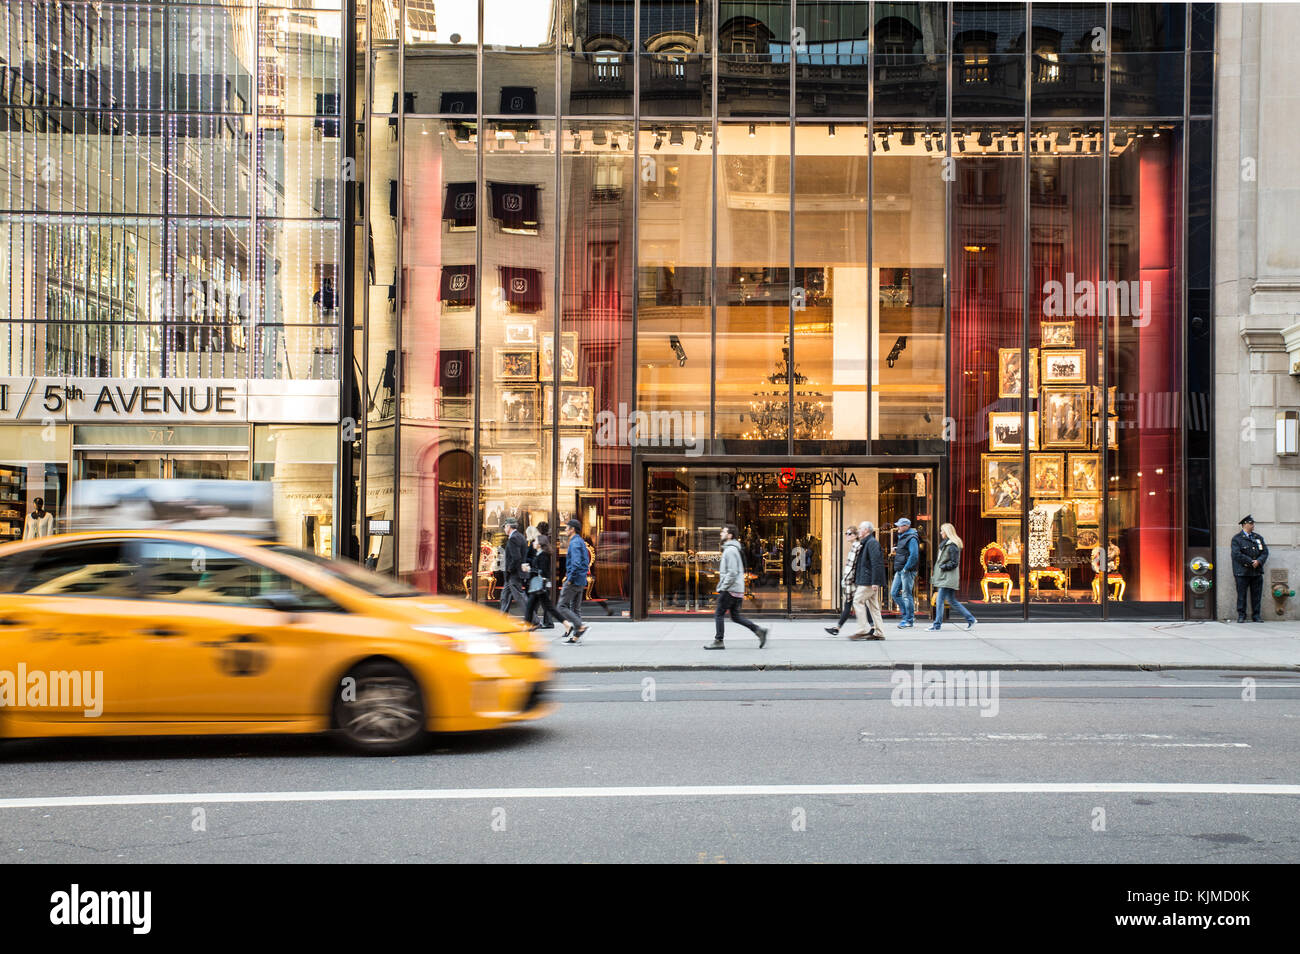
(1247, 547)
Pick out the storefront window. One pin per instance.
(33, 466)
(911, 71)
(675, 54)
(301, 463)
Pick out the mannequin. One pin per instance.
(1040, 538)
(39, 523)
(1065, 528)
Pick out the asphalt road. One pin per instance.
(699, 768)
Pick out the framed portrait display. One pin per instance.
(574, 451)
(1112, 434)
(517, 414)
(1065, 366)
(1010, 374)
(1088, 511)
(1056, 334)
(1005, 430)
(576, 407)
(1008, 537)
(568, 356)
(1086, 538)
(521, 333)
(524, 467)
(1064, 421)
(494, 511)
(1096, 399)
(1002, 485)
(490, 470)
(516, 364)
(1085, 476)
(1047, 476)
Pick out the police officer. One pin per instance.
(1249, 554)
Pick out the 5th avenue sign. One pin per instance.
(123, 400)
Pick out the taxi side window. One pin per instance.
(178, 572)
(100, 569)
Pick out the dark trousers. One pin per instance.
(730, 604)
(541, 598)
(847, 612)
(511, 592)
(1254, 585)
(570, 608)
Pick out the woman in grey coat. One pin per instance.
(947, 576)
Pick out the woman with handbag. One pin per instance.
(541, 559)
(947, 576)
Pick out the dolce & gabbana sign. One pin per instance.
(123, 400)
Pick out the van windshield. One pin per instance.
(374, 584)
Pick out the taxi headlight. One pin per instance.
(467, 639)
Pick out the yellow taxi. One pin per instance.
(145, 632)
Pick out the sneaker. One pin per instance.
(932, 629)
(970, 625)
(874, 636)
(904, 625)
(833, 630)
(716, 644)
(857, 636)
(762, 636)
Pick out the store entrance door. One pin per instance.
(791, 523)
(152, 465)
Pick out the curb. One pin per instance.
(1001, 666)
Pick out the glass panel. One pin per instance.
(300, 62)
(298, 265)
(1069, 59)
(907, 319)
(596, 314)
(210, 56)
(30, 488)
(440, 62)
(380, 352)
(438, 344)
(988, 63)
(597, 61)
(754, 368)
(519, 52)
(1065, 168)
(911, 72)
(299, 461)
(675, 254)
(831, 285)
(831, 59)
(754, 58)
(676, 65)
(384, 57)
(298, 168)
(519, 353)
(987, 383)
(202, 299)
(1143, 504)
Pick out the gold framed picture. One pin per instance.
(1010, 376)
(1005, 430)
(524, 467)
(576, 407)
(1088, 511)
(1002, 485)
(1008, 537)
(1086, 538)
(516, 364)
(521, 333)
(575, 449)
(1112, 434)
(1056, 334)
(1096, 399)
(1065, 366)
(568, 356)
(517, 414)
(1085, 475)
(1047, 475)
(490, 469)
(1064, 418)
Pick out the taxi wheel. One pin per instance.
(384, 712)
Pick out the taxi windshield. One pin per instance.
(372, 583)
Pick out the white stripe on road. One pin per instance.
(657, 791)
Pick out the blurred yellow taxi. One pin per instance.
(145, 632)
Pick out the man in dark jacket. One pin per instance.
(516, 553)
(577, 563)
(1249, 554)
(907, 556)
(869, 579)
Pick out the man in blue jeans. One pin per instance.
(907, 554)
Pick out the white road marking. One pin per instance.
(1147, 739)
(657, 791)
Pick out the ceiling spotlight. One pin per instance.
(675, 136)
(929, 146)
(1062, 138)
(961, 144)
(1155, 132)
(909, 137)
(986, 138)
(1001, 145)
(613, 142)
(1078, 145)
(659, 140)
(752, 131)
(884, 143)
(830, 131)
(699, 140)
(577, 141)
(598, 137)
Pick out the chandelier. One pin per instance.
(768, 412)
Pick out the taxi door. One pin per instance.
(218, 651)
(70, 651)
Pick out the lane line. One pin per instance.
(657, 791)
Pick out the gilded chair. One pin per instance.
(1113, 577)
(993, 560)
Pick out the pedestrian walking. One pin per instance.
(513, 566)
(576, 564)
(907, 555)
(847, 584)
(946, 577)
(541, 557)
(1249, 554)
(869, 583)
(731, 590)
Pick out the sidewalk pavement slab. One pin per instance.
(677, 644)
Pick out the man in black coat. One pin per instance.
(1249, 554)
(869, 580)
(516, 552)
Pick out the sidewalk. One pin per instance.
(803, 644)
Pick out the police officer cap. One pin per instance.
(1247, 519)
